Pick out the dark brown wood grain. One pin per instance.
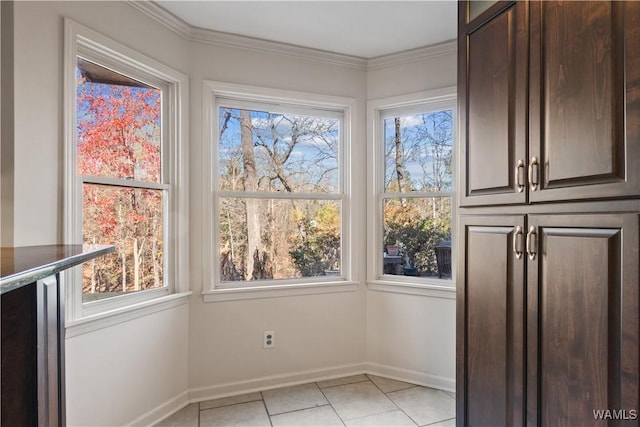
(580, 123)
(581, 92)
(582, 345)
(490, 324)
(492, 91)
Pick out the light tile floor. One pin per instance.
(359, 400)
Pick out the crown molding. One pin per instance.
(220, 38)
(412, 55)
(163, 16)
(260, 45)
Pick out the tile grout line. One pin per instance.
(230, 404)
(378, 413)
(436, 422)
(339, 385)
(329, 402)
(264, 403)
(368, 378)
(398, 406)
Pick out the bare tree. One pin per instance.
(269, 152)
(400, 172)
(250, 185)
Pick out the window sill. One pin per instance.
(124, 314)
(278, 291)
(420, 289)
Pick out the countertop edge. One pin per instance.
(17, 280)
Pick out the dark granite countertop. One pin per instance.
(23, 265)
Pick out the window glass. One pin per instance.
(418, 152)
(131, 219)
(417, 237)
(118, 125)
(119, 160)
(298, 238)
(263, 151)
(417, 194)
(294, 230)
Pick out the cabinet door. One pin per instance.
(582, 321)
(492, 85)
(584, 99)
(490, 322)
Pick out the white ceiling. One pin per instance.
(366, 29)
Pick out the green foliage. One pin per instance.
(316, 248)
(417, 228)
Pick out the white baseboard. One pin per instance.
(276, 381)
(162, 411)
(273, 381)
(409, 376)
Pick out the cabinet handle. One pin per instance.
(532, 243)
(520, 176)
(517, 242)
(533, 173)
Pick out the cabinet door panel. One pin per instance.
(492, 86)
(582, 334)
(490, 324)
(580, 85)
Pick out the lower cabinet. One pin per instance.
(548, 320)
(32, 335)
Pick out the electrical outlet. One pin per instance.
(269, 339)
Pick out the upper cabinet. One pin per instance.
(584, 97)
(550, 102)
(492, 86)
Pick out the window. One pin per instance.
(123, 177)
(279, 190)
(414, 190)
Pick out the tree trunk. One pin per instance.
(402, 184)
(124, 271)
(399, 159)
(250, 185)
(136, 265)
(93, 272)
(154, 253)
(123, 255)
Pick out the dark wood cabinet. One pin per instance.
(490, 368)
(583, 323)
(584, 128)
(570, 285)
(492, 92)
(548, 310)
(549, 98)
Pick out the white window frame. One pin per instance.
(84, 42)
(377, 111)
(216, 94)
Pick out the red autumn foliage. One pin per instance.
(119, 137)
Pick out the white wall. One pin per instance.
(433, 71)
(117, 373)
(412, 336)
(315, 334)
